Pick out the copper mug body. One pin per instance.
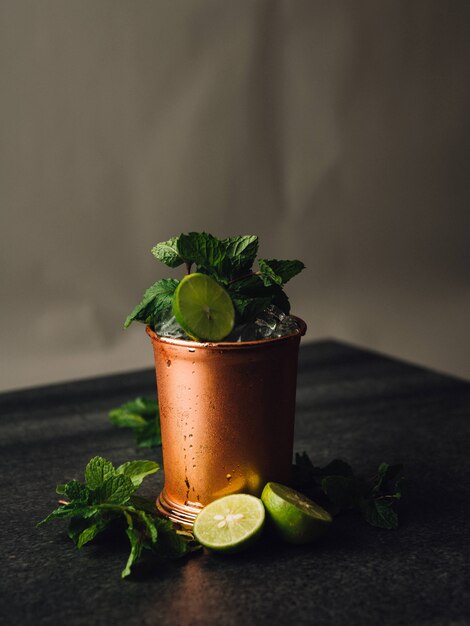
(227, 418)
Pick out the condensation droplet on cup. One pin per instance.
(191, 349)
(168, 363)
(229, 476)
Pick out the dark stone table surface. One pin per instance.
(352, 404)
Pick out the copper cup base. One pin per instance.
(182, 514)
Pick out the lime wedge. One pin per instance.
(295, 518)
(203, 308)
(231, 523)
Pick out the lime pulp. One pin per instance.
(231, 523)
(203, 308)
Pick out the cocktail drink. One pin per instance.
(226, 353)
(227, 418)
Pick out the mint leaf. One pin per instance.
(279, 298)
(142, 504)
(173, 545)
(155, 300)
(116, 489)
(112, 498)
(387, 477)
(306, 474)
(81, 529)
(90, 532)
(122, 419)
(268, 275)
(253, 289)
(229, 261)
(150, 525)
(374, 498)
(343, 491)
(145, 407)
(240, 253)
(279, 272)
(205, 251)
(167, 252)
(337, 467)
(74, 490)
(72, 509)
(142, 416)
(379, 513)
(136, 550)
(97, 471)
(247, 308)
(137, 470)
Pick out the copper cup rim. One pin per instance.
(228, 345)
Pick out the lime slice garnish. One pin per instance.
(203, 308)
(296, 518)
(230, 523)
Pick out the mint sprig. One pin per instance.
(155, 300)
(374, 498)
(230, 262)
(108, 497)
(142, 417)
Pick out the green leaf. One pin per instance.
(123, 419)
(167, 252)
(240, 253)
(116, 489)
(138, 502)
(252, 289)
(97, 471)
(141, 406)
(204, 250)
(280, 272)
(379, 513)
(90, 532)
(149, 524)
(136, 550)
(142, 416)
(114, 500)
(337, 467)
(387, 473)
(249, 308)
(155, 300)
(149, 436)
(279, 298)
(137, 470)
(343, 491)
(74, 490)
(73, 509)
(171, 544)
(268, 275)
(77, 525)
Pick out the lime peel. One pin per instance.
(293, 516)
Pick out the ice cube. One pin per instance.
(272, 316)
(288, 326)
(167, 326)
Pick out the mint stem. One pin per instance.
(244, 276)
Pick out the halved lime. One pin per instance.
(203, 308)
(231, 523)
(295, 518)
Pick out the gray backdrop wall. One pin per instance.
(337, 131)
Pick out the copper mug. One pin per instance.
(227, 418)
